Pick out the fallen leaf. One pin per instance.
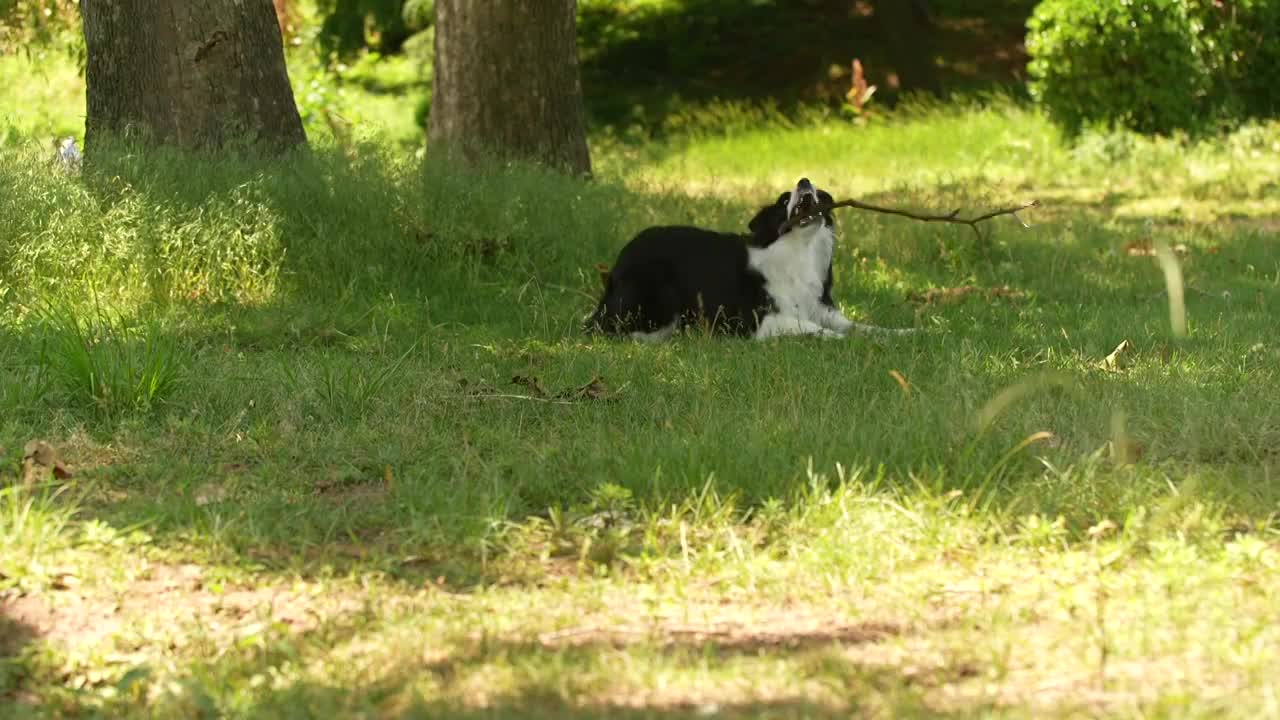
(902, 382)
(1101, 529)
(66, 581)
(1139, 248)
(1145, 248)
(593, 390)
(1115, 361)
(211, 493)
(530, 382)
(39, 461)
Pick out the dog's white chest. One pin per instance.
(794, 269)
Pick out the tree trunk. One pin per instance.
(507, 83)
(910, 34)
(193, 73)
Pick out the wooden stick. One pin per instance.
(951, 217)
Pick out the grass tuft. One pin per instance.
(109, 365)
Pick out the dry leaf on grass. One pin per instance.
(595, 389)
(530, 382)
(209, 493)
(39, 461)
(1145, 248)
(902, 382)
(1118, 357)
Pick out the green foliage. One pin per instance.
(1156, 66)
(1251, 51)
(36, 22)
(352, 25)
(419, 14)
(1133, 64)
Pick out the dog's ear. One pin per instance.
(764, 226)
(770, 218)
(825, 198)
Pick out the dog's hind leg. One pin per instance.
(637, 306)
(659, 314)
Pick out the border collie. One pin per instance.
(763, 285)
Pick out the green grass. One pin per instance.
(396, 480)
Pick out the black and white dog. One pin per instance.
(764, 285)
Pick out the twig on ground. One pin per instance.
(951, 217)
(512, 396)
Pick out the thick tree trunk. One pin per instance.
(507, 83)
(191, 73)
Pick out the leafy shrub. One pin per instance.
(1154, 66)
(352, 25)
(1120, 63)
(419, 14)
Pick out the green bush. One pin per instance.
(1155, 66)
(1256, 67)
(1119, 63)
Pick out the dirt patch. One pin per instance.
(15, 632)
(169, 596)
(775, 631)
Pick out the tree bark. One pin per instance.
(507, 83)
(196, 74)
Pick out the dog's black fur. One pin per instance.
(670, 276)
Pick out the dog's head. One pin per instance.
(802, 201)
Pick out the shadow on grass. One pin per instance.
(16, 633)
(503, 678)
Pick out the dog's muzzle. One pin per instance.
(804, 202)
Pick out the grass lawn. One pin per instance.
(338, 449)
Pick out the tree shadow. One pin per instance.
(567, 688)
(18, 629)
